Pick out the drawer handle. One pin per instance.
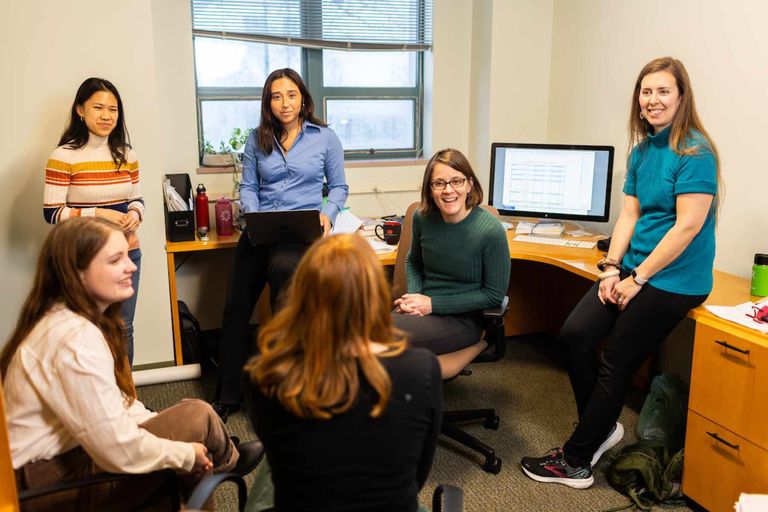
(728, 345)
(721, 440)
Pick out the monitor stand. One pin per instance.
(548, 228)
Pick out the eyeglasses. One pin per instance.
(441, 184)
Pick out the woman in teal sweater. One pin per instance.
(659, 266)
(458, 264)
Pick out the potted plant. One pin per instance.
(229, 154)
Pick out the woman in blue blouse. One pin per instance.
(659, 266)
(285, 161)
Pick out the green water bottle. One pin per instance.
(760, 276)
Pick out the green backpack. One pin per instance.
(647, 473)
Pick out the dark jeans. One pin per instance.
(254, 267)
(128, 307)
(441, 334)
(632, 335)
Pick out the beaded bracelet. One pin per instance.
(607, 262)
(608, 273)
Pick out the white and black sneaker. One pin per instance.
(553, 468)
(614, 436)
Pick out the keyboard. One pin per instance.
(563, 242)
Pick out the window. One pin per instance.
(370, 92)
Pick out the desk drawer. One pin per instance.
(729, 382)
(716, 473)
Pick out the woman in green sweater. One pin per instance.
(458, 264)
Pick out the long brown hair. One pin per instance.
(313, 349)
(68, 251)
(270, 128)
(682, 139)
(456, 160)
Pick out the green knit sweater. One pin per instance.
(463, 267)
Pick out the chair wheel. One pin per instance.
(492, 422)
(492, 465)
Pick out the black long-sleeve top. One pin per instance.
(353, 462)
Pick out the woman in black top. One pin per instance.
(349, 417)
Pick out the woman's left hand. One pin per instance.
(325, 222)
(131, 221)
(624, 292)
(415, 304)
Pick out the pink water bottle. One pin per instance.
(224, 217)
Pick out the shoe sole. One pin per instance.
(576, 483)
(609, 443)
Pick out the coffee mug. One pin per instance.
(390, 231)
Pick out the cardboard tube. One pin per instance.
(167, 374)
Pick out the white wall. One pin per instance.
(502, 70)
(599, 47)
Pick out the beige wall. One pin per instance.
(599, 46)
(502, 70)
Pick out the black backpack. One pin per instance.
(191, 346)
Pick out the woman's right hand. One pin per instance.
(605, 290)
(202, 462)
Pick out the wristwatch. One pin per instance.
(639, 280)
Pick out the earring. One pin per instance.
(642, 116)
(81, 119)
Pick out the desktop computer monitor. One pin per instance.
(551, 181)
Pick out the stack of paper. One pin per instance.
(741, 314)
(173, 200)
(751, 503)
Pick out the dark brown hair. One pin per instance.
(69, 250)
(456, 160)
(682, 136)
(76, 133)
(270, 128)
(314, 350)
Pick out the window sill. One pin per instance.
(348, 164)
(393, 162)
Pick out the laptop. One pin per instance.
(283, 226)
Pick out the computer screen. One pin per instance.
(551, 181)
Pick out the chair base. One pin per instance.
(450, 428)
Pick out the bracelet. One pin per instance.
(608, 273)
(607, 262)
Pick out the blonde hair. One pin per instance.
(686, 119)
(314, 348)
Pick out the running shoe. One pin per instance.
(552, 468)
(614, 436)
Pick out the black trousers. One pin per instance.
(600, 385)
(254, 267)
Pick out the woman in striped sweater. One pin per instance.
(95, 173)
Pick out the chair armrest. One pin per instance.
(497, 311)
(95, 479)
(448, 498)
(207, 485)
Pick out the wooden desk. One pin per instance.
(215, 242)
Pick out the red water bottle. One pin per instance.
(201, 212)
(223, 216)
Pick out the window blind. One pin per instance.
(334, 24)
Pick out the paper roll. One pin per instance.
(166, 374)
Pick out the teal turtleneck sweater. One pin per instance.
(656, 175)
(462, 267)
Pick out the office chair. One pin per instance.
(494, 336)
(11, 498)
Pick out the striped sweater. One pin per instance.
(78, 181)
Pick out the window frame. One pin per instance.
(312, 73)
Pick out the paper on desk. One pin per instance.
(346, 222)
(752, 502)
(738, 314)
(524, 228)
(381, 247)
